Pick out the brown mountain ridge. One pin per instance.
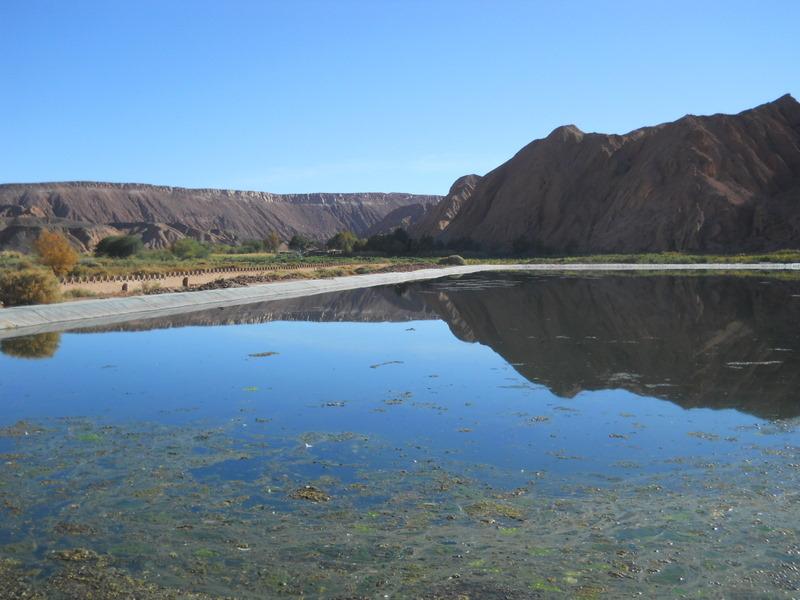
(87, 211)
(722, 183)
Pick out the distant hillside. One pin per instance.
(87, 211)
(722, 183)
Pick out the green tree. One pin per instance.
(344, 241)
(298, 242)
(119, 246)
(272, 242)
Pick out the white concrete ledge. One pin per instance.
(25, 320)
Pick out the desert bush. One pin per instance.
(151, 287)
(28, 286)
(453, 259)
(55, 252)
(40, 345)
(119, 246)
(79, 293)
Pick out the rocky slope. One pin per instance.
(405, 217)
(718, 183)
(162, 214)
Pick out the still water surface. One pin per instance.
(483, 437)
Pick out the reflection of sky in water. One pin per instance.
(182, 456)
(460, 402)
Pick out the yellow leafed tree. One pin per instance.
(55, 252)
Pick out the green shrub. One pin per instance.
(299, 242)
(453, 259)
(28, 287)
(119, 246)
(159, 255)
(190, 248)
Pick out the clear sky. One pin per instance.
(372, 95)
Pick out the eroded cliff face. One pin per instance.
(162, 214)
(722, 183)
(439, 217)
(405, 217)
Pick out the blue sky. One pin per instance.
(304, 96)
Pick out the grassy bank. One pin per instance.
(161, 262)
(158, 262)
(659, 258)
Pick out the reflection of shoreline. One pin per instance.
(698, 342)
(40, 345)
(365, 305)
(714, 342)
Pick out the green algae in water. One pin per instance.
(164, 502)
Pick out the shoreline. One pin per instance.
(41, 318)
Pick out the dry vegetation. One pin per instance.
(28, 286)
(55, 252)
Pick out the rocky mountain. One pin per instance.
(438, 218)
(722, 183)
(86, 210)
(405, 217)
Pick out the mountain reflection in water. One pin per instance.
(711, 341)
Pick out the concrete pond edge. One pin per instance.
(27, 320)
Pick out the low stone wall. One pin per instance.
(110, 284)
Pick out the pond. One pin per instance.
(491, 436)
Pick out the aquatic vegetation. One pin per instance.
(491, 509)
(310, 493)
(388, 362)
(467, 484)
